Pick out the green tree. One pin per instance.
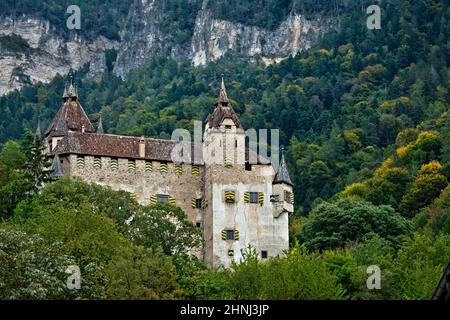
(335, 224)
(33, 268)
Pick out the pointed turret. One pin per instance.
(57, 170)
(70, 117)
(223, 97)
(223, 110)
(38, 133)
(100, 125)
(282, 175)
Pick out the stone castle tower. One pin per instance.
(234, 201)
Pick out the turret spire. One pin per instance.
(38, 134)
(223, 97)
(57, 170)
(282, 175)
(100, 125)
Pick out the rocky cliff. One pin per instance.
(212, 38)
(31, 50)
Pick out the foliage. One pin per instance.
(33, 268)
(298, 276)
(335, 224)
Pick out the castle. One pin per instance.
(234, 203)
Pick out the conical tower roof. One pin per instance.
(100, 125)
(71, 116)
(57, 170)
(223, 110)
(282, 175)
(223, 97)
(38, 133)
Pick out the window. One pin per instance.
(287, 196)
(227, 128)
(131, 165)
(97, 162)
(254, 197)
(230, 234)
(114, 163)
(264, 254)
(275, 198)
(231, 253)
(161, 198)
(230, 196)
(199, 224)
(248, 167)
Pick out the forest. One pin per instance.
(365, 121)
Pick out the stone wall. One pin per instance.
(144, 184)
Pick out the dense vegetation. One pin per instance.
(366, 121)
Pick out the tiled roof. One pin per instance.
(108, 145)
(223, 110)
(72, 115)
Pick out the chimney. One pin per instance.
(83, 128)
(142, 147)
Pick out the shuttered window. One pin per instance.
(131, 165)
(254, 197)
(97, 162)
(230, 234)
(195, 170)
(163, 168)
(114, 163)
(148, 166)
(80, 162)
(230, 196)
(178, 169)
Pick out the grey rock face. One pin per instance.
(46, 53)
(144, 35)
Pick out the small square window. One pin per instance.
(287, 196)
(264, 254)
(227, 128)
(199, 224)
(160, 198)
(253, 197)
(230, 234)
(248, 167)
(230, 253)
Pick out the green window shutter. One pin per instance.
(114, 164)
(236, 234)
(133, 196)
(153, 199)
(80, 162)
(292, 198)
(172, 200)
(148, 166)
(224, 234)
(178, 169)
(246, 197)
(163, 168)
(195, 170)
(261, 198)
(131, 165)
(97, 163)
(228, 162)
(204, 203)
(230, 196)
(194, 203)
